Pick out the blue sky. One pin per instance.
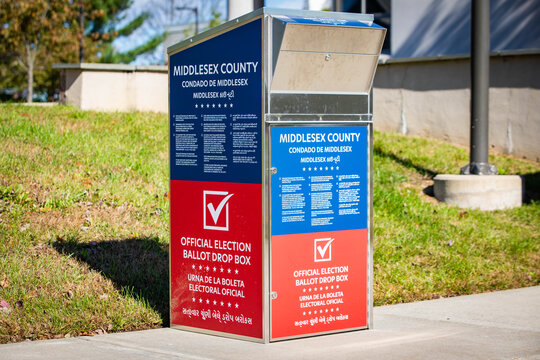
(161, 17)
(285, 4)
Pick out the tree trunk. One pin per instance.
(81, 32)
(30, 73)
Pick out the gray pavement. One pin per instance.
(498, 325)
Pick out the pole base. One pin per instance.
(488, 192)
(476, 168)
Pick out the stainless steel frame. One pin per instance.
(369, 283)
(308, 106)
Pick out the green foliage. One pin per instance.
(33, 34)
(112, 56)
(215, 20)
(101, 20)
(133, 25)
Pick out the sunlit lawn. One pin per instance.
(84, 224)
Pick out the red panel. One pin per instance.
(321, 282)
(216, 256)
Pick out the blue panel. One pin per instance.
(327, 21)
(321, 179)
(216, 108)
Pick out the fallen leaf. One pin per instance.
(109, 327)
(4, 306)
(450, 242)
(70, 294)
(87, 182)
(19, 304)
(4, 283)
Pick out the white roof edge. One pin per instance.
(390, 60)
(110, 67)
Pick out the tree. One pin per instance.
(98, 23)
(34, 34)
(31, 33)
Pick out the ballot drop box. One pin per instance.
(271, 175)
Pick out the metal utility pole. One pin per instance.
(479, 148)
(194, 10)
(258, 4)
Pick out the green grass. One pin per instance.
(425, 249)
(84, 224)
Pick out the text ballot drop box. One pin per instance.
(270, 169)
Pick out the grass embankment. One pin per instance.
(84, 224)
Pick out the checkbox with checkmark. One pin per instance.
(323, 249)
(216, 210)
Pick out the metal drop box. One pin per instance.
(271, 175)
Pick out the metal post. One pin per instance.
(195, 10)
(196, 21)
(257, 4)
(172, 12)
(479, 148)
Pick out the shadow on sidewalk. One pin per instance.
(140, 265)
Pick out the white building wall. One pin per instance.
(442, 27)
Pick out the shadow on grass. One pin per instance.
(429, 191)
(532, 187)
(531, 181)
(405, 162)
(138, 265)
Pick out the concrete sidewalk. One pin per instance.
(499, 325)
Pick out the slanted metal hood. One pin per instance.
(324, 55)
